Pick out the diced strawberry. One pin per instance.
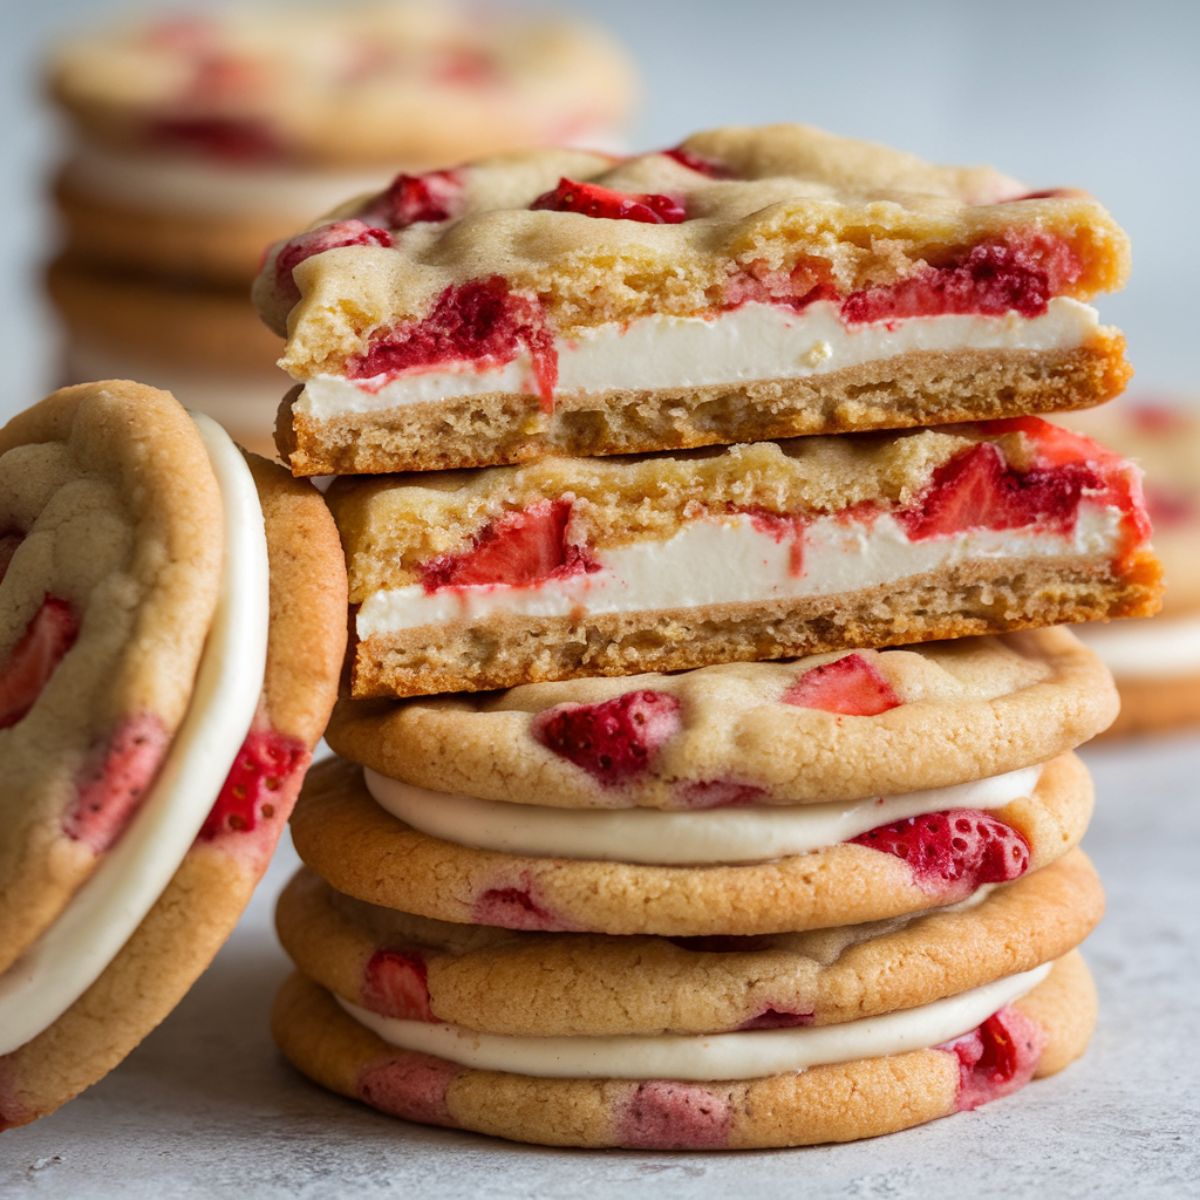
(978, 490)
(8, 547)
(434, 196)
(333, 236)
(35, 657)
(1019, 273)
(718, 793)
(395, 984)
(263, 768)
(515, 908)
(519, 549)
(1054, 445)
(663, 1114)
(697, 163)
(592, 200)
(850, 685)
(613, 740)
(480, 322)
(953, 851)
(229, 139)
(997, 1058)
(114, 782)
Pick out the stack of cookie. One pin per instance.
(749, 902)
(196, 140)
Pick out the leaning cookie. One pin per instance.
(753, 1088)
(877, 859)
(172, 852)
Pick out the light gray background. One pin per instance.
(1098, 95)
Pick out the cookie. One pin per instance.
(172, 852)
(203, 346)
(829, 728)
(751, 283)
(944, 1058)
(202, 138)
(574, 567)
(561, 985)
(1157, 665)
(939, 854)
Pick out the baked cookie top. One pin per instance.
(345, 84)
(557, 242)
(522, 983)
(830, 727)
(111, 538)
(1164, 440)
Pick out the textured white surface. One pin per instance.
(206, 1108)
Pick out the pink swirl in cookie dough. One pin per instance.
(665, 1115)
(410, 1086)
(114, 782)
(997, 1058)
(395, 984)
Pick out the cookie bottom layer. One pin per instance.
(920, 388)
(837, 1103)
(1156, 705)
(977, 598)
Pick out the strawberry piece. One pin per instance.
(957, 850)
(229, 139)
(519, 549)
(514, 908)
(333, 236)
(592, 200)
(264, 766)
(997, 1058)
(697, 163)
(1054, 445)
(112, 785)
(1020, 273)
(8, 547)
(978, 490)
(718, 793)
(613, 740)
(480, 322)
(434, 196)
(35, 657)
(665, 1115)
(395, 984)
(410, 1086)
(849, 685)
(777, 1018)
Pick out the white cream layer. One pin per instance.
(1163, 648)
(646, 835)
(727, 560)
(160, 182)
(106, 911)
(748, 343)
(745, 1055)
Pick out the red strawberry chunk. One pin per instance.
(515, 908)
(229, 139)
(592, 200)
(614, 740)
(850, 685)
(953, 851)
(8, 547)
(395, 984)
(996, 1059)
(1020, 273)
(316, 241)
(519, 549)
(697, 163)
(35, 657)
(263, 768)
(480, 322)
(1054, 445)
(978, 490)
(434, 196)
(111, 787)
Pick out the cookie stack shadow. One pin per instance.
(706, 798)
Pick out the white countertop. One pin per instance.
(207, 1108)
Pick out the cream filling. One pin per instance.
(646, 835)
(745, 1055)
(208, 188)
(101, 917)
(748, 343)
(1163, 648)
(242, 402)
(726, 560)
